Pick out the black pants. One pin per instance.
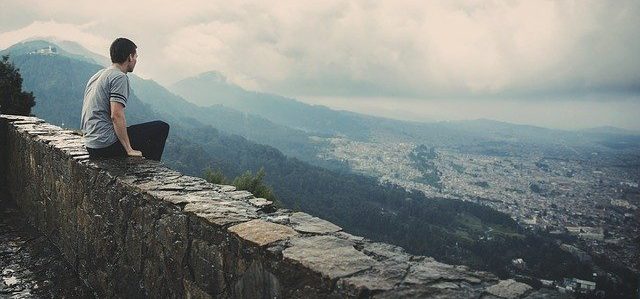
(149, 138)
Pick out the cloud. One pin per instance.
(417, 49)
(421, 49)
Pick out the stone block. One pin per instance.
(261, 232)
(429, 270)
(304, 222)
(509, 289)
(206, 264)
(257, 282)
(222, 212)
(330, 256)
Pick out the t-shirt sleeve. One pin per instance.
(119, 89)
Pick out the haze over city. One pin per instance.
(559, 64)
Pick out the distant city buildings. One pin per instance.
(578, 285)
(592, 198)
(519, 263)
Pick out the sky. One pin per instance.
(561, 64)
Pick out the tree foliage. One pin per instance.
(246, 181)
(12, 99)
(254, 184)
(215, 176)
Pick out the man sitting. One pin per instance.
(104, 125)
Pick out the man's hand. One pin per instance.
(134, 153)
(120, 126)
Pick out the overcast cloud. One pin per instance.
(474, 50)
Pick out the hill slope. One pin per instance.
(477, 136)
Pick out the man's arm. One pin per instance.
(120, 126)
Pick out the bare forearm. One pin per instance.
(120, 126)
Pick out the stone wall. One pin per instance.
(135, 228)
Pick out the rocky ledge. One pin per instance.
(135, 228)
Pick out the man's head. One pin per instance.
(123, 52)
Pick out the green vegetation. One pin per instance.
(215, 176)
(254, 184)
(483, 184)
(535, 188)
(458, 168)
(470, 225)
(422, 158)
(12, 99)
(542, 166)
(246, 181)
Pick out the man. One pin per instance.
(104, 125)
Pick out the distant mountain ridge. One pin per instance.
(78, 49)
(293, 142)
(610, 130)
(212, 88)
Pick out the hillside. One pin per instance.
(480, 136)
(292, 142)
(212, 88)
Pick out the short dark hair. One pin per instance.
(120, 49)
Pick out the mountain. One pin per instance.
(291, 141)
(212, 88)
(446, 229)
(480, 136)
(47, 47)
(610, 130)
(215, 81)
(75, 48)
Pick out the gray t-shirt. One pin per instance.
(106, 86)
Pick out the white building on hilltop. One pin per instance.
(50, 50)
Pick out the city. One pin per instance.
(596, 200)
